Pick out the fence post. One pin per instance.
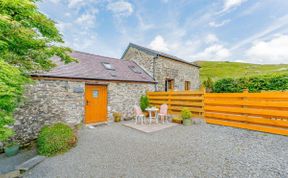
(245, 92)
(169, 101)
(203, 102)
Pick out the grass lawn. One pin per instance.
(218, 70)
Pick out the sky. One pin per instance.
(254, 31)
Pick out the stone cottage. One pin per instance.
(90, 90)
(170, 72)
(87, 91)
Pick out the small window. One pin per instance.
(169, 84)
(135, 69)
(95, 93)
(187, 85)
(108, 66)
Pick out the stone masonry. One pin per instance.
(123, 96)
(52, 101)
(162, 68)
(48, 102)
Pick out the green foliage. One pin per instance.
(186, 114)
(253, 84)
(208, 84)
(11, 89)
(28, 39)
(219, 70)
(55, 139)
(144, 102)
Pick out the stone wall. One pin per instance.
(143, 59)
(165, 68)
(123, 96)
(48, 102)
(179, 71)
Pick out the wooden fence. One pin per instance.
(176, 101)
(266, 111)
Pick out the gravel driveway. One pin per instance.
(196, 151)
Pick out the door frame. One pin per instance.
(91, 84)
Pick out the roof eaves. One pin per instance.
(86, 78)
(155, 53)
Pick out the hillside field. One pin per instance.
(224, 69)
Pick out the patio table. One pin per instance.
(150, 111)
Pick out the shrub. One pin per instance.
(208, 84)
(186, 114)
(253, 84)
(55, 139)
(144, 102)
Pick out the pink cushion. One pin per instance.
(164, 109)
(138, 110)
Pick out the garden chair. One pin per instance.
(163, 113)
(139, 115)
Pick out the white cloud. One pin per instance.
(76, 3)
(280, 23)
(87, 20)
(219, 24)
(211, 38)
(122, 8)
(273, 51)
(215, 52)
(62, 26)
(159, 44)
(55, 1)
(229, 4)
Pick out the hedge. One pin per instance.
(253, 84)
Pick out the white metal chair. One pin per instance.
(163, 113)
(139, 115)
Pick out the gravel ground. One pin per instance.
(196, 151)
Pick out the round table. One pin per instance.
(150, 111)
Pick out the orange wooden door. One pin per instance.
(96, 104)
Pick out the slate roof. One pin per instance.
(159, 53)
(90, 66)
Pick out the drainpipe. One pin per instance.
(154, 68)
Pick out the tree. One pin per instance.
(28, 39)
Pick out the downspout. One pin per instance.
(154, 69)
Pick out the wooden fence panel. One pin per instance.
(266, 111)
(177, 100)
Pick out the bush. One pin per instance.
(144, 102)
(186, 114)
(253, 84)
(55, 139)
(208, 84)
(11, 89)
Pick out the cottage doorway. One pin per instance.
(95, 104)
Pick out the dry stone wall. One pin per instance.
(46, 102)
(123, 96)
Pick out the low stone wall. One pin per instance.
(46, 102)
(123, 96)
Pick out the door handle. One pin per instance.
(87, 102)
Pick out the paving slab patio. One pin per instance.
(149, 128)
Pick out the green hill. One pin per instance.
(217, 70)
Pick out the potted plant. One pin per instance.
(117, 116)
(186, 116)
(144, 103)
(177, 120)
(11, 148)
